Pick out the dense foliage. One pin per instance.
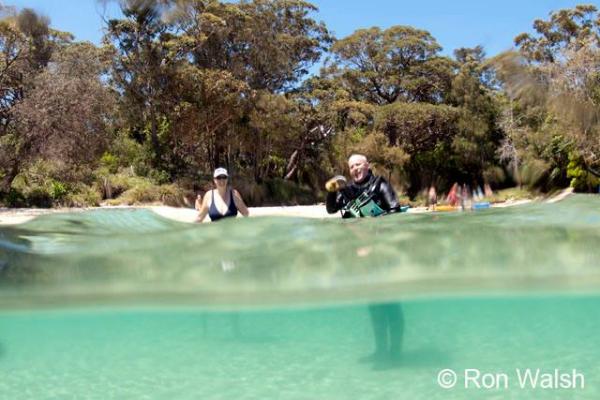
(179, 87)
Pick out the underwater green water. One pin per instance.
(126, 304)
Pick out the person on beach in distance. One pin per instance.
(198, 203)
(453, 195)
(387, 319)
(222, 202)
(432, 198)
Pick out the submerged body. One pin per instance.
(370, 195)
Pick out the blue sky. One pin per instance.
(454, 23)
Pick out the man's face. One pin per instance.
(359, 168)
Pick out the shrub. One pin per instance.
(84, 196)
(39, 197)
(41, 185)
(113, 185)
(110, 162)
(172, 195)
(581, 180)
(14, 198)
(512, 194)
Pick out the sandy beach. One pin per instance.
(12, 216)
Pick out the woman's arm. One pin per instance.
(203, 211)
(239, 203)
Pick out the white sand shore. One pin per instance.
(563, 194)
(11, 216)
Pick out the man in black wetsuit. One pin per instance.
(364, 183)
(370, 195)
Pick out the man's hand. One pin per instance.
(336, 183)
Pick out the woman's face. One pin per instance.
(221, 181)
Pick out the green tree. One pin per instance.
(144, 70)
(263, 48)
(67, 112)
(479, 134)
(269, 44)
(554, 78)
(400, 63)
(26, 46)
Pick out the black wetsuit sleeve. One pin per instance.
(389, 196)
(334, 202)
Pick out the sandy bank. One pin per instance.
(11, 216)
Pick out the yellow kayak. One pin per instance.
(446, 208)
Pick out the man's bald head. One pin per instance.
(359, 167)
(354, 158)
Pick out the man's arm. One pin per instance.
(334, 202)
(389, 196)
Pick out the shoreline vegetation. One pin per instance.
(188, 214)
(178, 88)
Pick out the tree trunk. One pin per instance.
(154, 138)
(10, 176)
(593, 171)
(292, 165)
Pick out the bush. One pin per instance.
(512, 194)
(282, 192)
(274, 192)
(84, 196)
(127, 151)
(58, 190)
(113, 185)
(494, 175)
(581, 180)
(172, 195)
(253, 193)
(43, 184)
(110, 162)
(144, 192)
(14, 198)
(39, 197)
(147, 192)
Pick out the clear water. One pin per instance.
(126, 304)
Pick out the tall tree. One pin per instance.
(26, 46)
(144, 69)
(554, 82)
(269, 44)
(400, 63)
(66, 114)
(262, 48)
(473, 90)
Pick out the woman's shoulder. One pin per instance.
(207, 196)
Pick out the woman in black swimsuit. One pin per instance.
(222, 202)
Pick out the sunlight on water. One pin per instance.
(126, 304)
(295, 353)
